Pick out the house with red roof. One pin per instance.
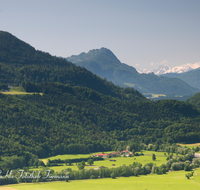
(101, 155)
(113, 154)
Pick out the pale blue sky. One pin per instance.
(139, 32)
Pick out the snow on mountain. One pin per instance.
(163, 69)
(176, 69)
(142, 71)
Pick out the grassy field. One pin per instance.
(190, 145)
(169, 181)
(196, 178)
(146, 158)
(154, 95)
(18, 91)
(71, 156)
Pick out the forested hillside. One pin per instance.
(194, 100)
(19, 62)
(77, 111)
(68, 119)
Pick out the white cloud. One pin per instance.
(164, 62)
(152, 63)
(137, 64)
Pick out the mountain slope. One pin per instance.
(17, 53)
(194, 100)
(74, 119)
(102, 62)
(78, 111)
(191, 77)
(105, 64)
(19, 62)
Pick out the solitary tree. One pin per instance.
(153, 157)
(80, 166)
(90, 161)
(68, 162)
(83, 163)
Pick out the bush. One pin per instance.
(90, 161)
(92, 177)
(188, 175)
(154, 169)
(187, 167)
(113, 176)
(80, 166)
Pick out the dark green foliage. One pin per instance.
(75, 160)
(14, 162)
(65, 119)
(125, 171)
(6, 181)
(113, 175)
(18, 53)
(79, 112)
(181, 163)
(90, 161)
(188, 175)
(169, 157)
(48, 163)
(3, 87)
(160, 169)
(187, 167)
(194, 100)
(81, 165)
(153, 157)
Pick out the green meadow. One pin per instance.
(143, 159)
(190, 145)
(18, 91)
(71, 156)
(169, 181)
(196, 177)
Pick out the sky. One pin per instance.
(142, 33)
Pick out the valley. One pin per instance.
(105, 64)
(53, 109)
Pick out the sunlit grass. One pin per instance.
(19, 91)
(169, 181)
(143, 159)
(190, 145)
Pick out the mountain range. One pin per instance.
(164, 69)
(105, 64)
(191, 77)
